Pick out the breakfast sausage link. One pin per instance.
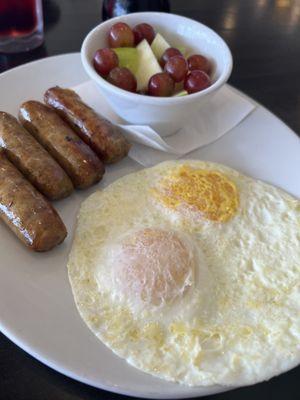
(105, 138)
(27, 213)
(73, 155)
(32, 160)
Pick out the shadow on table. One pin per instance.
(8, 61)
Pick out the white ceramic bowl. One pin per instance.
(165, 114)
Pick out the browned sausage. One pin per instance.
(105, 138)
(74, 156)
(32, 160)
(28, 214)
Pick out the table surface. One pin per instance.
(264, 36)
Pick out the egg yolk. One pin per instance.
(209, 192)
(154, 266)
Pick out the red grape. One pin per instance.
(177, 68)
(170, 52)
(143, 31)
(120, 35)
(161, 85)
(104, 61)
(196, 81)
(123, 78)
(196, 61)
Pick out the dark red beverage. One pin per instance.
(18, 17)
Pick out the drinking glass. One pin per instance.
(21, 25)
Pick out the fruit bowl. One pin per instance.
(164, 114)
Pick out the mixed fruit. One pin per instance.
(140, 61)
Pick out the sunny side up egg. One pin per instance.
(191, 272)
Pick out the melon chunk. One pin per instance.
(147, 65)
(128, 58)
(159, 46)
(180, 94)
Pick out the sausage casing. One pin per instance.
(105, 138)
(55, 135)
(29, 215)
(32, 159)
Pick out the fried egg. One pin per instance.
(191, 272)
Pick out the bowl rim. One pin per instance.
(152, 99)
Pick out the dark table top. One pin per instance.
(264, 36)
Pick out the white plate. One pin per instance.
(37, 311)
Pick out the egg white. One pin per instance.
(238, 323)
